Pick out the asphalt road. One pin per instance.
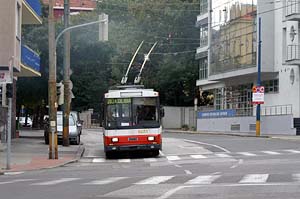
(189, 167)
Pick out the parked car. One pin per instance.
(74, 134)
(78, 122)
(22, 122)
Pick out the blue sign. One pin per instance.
(36, 6)
(217, 113)
(30, 58)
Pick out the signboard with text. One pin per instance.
(258, 95)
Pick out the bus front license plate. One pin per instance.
(132, 139)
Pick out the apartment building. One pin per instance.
(228, 56)
(14, 14)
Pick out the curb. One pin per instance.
(215, 133)
(79, 154)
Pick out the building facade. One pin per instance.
(228, 56)
(25, 62)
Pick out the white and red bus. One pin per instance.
(132, 120)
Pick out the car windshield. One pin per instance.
(60, 120)
(132, 113)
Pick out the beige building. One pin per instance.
(25, 62)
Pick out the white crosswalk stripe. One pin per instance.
(198, 156)
(124, 160)
(271, 152)
(223, 155)
(247, 154)
(98, 160)
(292, 151)
(205, 179)
(16, 180)
(105, 181)
(54, 182)
(173, 157)
(150, 159)
(255, 178)
(155, 180)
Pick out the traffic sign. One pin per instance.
(5, 77)
(258, 95)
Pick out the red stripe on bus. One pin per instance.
(132, 140)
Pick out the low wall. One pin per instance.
(279, 124)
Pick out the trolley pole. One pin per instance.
(67, 101)
(53, 149)
(258, 77)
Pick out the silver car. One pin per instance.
(74, 133)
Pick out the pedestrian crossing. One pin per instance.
(155, 180)
(174, 158)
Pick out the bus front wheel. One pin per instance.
(109, 154)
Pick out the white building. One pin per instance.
(228, 64)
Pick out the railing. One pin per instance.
(36, 6)
(277, 110)
(292, 52)
(30, 58)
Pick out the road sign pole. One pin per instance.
(258, 77)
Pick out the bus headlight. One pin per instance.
(151, 138)
(115, 139)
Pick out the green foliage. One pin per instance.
(96, 66)
(169, 23)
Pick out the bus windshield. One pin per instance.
(136, 112)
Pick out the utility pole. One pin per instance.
(53, 150)
(9, 95)
(258, 77)
(67, 98)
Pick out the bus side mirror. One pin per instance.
(162, 112)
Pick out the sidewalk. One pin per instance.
(29, 152)
(240, 134)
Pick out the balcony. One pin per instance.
(30, 63)
(292, 10)
(293, 55)
(31, 12)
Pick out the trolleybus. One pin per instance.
(132, 120)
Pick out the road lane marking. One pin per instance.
(174, 157)
(198, 156)
(14, 173)
(155, 180)
(292, 151)
(188, 172)
(219, 147)
(239, 163)
(223, 155)
(99, 160)
(247, 154)
(124, 160)
(150, 159)
(208, 179)
(105, 181)
(54, 182)
(169, 193)
(255, 178)
(271, 152)
(17, 180)
(161, 153)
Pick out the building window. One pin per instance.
(203, 68)
(18, 21)
(271, 86)
(203, 6)
(203, 36)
